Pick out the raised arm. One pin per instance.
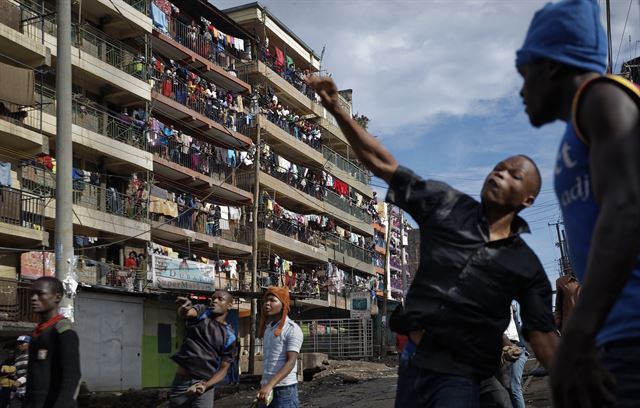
(185, 308)
(368, 149)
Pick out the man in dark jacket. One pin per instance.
(54, 357)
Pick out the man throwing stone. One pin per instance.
(206, 353)
(473, 263)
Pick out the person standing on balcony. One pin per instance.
(54, 357)
(132, 261)
(597, 182)
(206, 353)
(282, 341)
(473, 263)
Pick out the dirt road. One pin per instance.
(360, 384)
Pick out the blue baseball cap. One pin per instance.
(24, 339)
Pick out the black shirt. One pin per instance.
(206, 344)
(464, 286)
(53, 374)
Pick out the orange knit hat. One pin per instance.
(282, 293)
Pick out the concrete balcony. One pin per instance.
(286, 92)
(301, 201)
(192, 112)
(225, 243)
(123, 16)
(206, 176)
(177, 44)
(22, 219)
(291, 248)
(350, 255)
(15, 135)
(95, 133)
(17, 43)
(97, 58)
(280, 141)
(333, 136)
(95, 209)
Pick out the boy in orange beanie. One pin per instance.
(281, 343)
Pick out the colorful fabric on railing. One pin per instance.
(340, 187)
(279, 58)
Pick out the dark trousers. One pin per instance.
(178, 397)
(494, 395)
(623, 361)
(421, 388)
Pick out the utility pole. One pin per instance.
(402, 255)
(610, 47)
(64, 156)
(565, 265)
(385, 293)
(254, 271)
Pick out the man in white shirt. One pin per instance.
(282, 340)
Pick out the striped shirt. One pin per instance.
(22, 362)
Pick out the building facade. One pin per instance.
(184, 117)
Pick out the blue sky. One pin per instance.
(437, 79)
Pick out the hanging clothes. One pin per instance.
(279, 58)
(340, 187)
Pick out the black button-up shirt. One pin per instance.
(464, 286)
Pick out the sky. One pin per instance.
(438, 81)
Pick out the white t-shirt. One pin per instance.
(512, 330)
(275, 351)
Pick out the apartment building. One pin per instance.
(174, 106)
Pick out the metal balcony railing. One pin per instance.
(349, 249)
(86, 38)
(293, 76)
(316, 190)
(290, 229)
(345, 165)
(343, 204)
(294, 131)
(15, 301)
(179, 91)
(191, 38)
(199, 221)
(197, 160)
(87, 195)
(95, 118)
(140, 5)
(21, 208)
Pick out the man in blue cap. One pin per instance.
(597, 180)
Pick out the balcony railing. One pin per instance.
(343, 204)
(200, 222)
(15, 301)
(86, 38)
(96, 119)
(203, 46)
(195, 100)
(316, 190)
(346, 165)
(290, 229)
(87, 195)
(294, 131)
(292, 76)
(140, 5)
(108, 274)
(21, 208)
(197, 160)
(349, 249)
